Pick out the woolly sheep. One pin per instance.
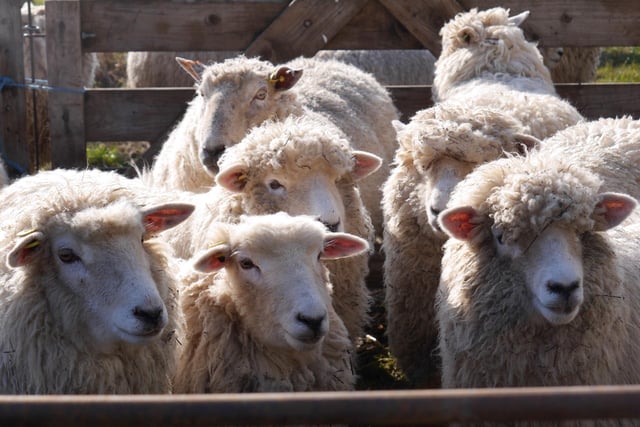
(438, 147)
(486, 61)
(534, 290)
(301, 165)
(88, 297)
(263, 321)
(254, 91)
(159, 69)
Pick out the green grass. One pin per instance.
(104, 157)
(619, 65)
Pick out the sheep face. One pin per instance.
(547, 257)
(96, 264)
(274, 272)
(233, 97)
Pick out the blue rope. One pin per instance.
(8, 81)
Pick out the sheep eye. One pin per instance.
(261, 95)
(246, 264)
(67, 256)
(275, 184)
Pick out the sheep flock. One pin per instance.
(239, 259)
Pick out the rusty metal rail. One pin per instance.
(422, 407)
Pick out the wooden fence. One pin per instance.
(277, 30)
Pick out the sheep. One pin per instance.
(539, 279)
(438, 147)
(486, 61)
(35, 67)
(572, 64)
(263, 321)
(159, 69)
(300, 165)
(254, 91)
(88, 297)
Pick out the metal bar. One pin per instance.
(359, 407)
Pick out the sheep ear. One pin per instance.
(459, 222)
(525, 143)
(284, 78)
(25, 249)
(612, 209)
(212, 259)
(467, 35)
(398, 125)
(342, 245)
(193, 68)
(518, 19)
(365, 164)
(162, 217)
(233, 178)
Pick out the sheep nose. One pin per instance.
(332, 227)
(435, 212)
(563, 289)
(210, 157)
(313, 323)
(150, 317)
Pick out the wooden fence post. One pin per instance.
(13, 142)
(64, 69)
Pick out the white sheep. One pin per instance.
(159, 69)
(437, 149)
(539, 280)
(487, 61)
(300, 165)
(263, 321)
(88, 298)
(240, 93)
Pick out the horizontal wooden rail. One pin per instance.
(360, 407)
(145, 114)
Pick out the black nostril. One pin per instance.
(313, 323)
(562, 288)
(149, 316)
(210, 157)
(332, 227)
(435, 212)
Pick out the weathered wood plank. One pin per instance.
(13, 141)
(123, 25)
(133, 114)
(303, 28)
(424, 19)
(64, 63)
(144, 114)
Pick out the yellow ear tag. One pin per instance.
(32, 245)
(27, 232)
(273, 78)
(213, 245)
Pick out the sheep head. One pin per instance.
(235, 96)
(97, 257)
(446, 142)
(297, 166)
(489, 41)
(533, 219)
(273, 268)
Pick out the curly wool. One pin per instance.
(44, 350)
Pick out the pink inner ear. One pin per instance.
(233, 179)
(458, 222)
(337, 247)
(212, 262)
(616, 208)
(163, 219)
(365, 165)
